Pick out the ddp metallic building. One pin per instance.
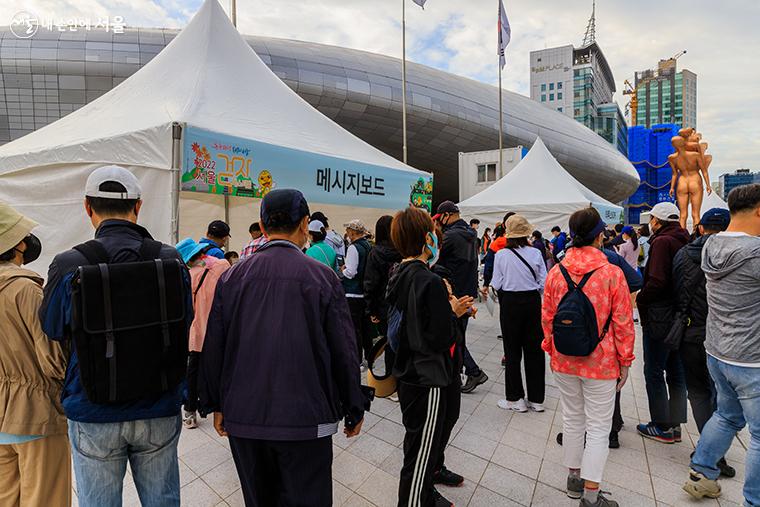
(53, 73)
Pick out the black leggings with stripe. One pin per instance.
(423, 411)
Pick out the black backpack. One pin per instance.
(576, 332)
(128, 324)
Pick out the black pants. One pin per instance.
(193, 360)
(423, 411)
(699, 384)
(520, 315)
(452, 396)
(471, 368)
(358, 309)
(284, 473)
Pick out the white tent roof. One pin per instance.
(208, 76)
(712, 201)
(540, 189)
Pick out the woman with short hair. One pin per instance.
(425, 364)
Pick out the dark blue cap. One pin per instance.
(716, 218)
(284, 203)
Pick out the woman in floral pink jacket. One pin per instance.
(588, 384)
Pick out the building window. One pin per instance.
(543, 98)
(551, 86)
(486, 173)
(543, 87)
(559, 86)
(559, 96)
(551, 96)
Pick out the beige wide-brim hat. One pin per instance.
(518, 227)
(13, 227)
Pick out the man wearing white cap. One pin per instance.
(663, 371)
(35, 467)
(105, 436)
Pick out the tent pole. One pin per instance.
(403, 76)
(233, 17)
(176, 175)
(501, 128)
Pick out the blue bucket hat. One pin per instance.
(188, 249)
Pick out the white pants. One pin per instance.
(587, 408)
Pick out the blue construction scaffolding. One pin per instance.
(648, 150)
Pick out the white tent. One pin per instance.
(540, 189)
(207, 78)
(712, 201)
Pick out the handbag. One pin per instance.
(384, 385)
(681, 322)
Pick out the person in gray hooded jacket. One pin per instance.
(731, 262)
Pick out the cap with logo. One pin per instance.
(716, 218)
(14, 227)
(356, 225)
(287, 201)
(219, 229)
(114, 174)
(666, 211)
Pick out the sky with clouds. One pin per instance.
(459, 36)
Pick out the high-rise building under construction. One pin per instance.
(665, 95)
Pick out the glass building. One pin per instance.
(53, 73)
(665, 95)
(728, 182)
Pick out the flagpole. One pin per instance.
(403, 78)
(501, 127)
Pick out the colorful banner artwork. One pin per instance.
(221, 164)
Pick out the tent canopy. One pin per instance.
(207, 77)
(540, 189)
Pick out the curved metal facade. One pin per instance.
(54, 73)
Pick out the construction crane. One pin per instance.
(632, 90)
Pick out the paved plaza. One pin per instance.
(507, 459)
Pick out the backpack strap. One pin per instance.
(150, 249)
(200, 282)
(105, 279)
(532, 271)
(570, 283)
(93, 251)
(585, 279)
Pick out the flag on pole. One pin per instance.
(505, 33)
(421, 3)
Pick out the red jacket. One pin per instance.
(659, 287)
(608, 292)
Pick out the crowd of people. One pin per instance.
(130, 339)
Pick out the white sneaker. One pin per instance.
(393, 397)
(189, 420)
(535, 407)
(517, 406)
(364, 366)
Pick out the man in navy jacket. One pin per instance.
(280, 367)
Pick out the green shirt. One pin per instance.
(323, 253)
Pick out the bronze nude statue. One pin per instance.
(690, 165)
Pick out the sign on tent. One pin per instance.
(221, 164)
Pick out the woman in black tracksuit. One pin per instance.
(425, 353)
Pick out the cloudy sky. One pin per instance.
(459, 36)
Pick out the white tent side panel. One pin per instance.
(53, 196)
(541, 217)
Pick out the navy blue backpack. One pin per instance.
(395, 320)
(576, 332)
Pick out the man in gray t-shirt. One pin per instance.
(731, 262)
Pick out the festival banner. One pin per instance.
(221, 164)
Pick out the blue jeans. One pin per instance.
(665, 382)
(101, 452)
(738, 404)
